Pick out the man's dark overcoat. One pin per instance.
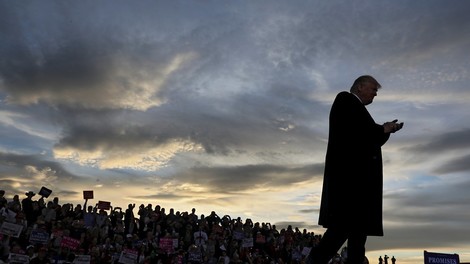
(353, 179)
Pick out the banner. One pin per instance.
(440, 258)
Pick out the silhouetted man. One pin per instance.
(351, 205)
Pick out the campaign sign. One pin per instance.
(87, 195)
(11, 229)
(195, 256)
(82, 259)
(38, 236)
(69, 242)
(104, 205)
(18, 258)
(247, 242)
(166, 244)
(128, 256)
(237, 235)
(440, 258)
(44, 192)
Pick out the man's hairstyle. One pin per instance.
(364, 79)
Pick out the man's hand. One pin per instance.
(392, 127)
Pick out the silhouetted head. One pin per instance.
(365, 87)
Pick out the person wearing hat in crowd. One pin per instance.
(27, 206)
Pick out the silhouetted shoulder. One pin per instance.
(344, 94)
(344, 97)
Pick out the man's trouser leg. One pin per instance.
(330, 243)
(356, 248)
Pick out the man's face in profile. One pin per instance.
(367, 91)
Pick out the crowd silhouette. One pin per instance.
(41, 231)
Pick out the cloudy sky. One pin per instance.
(223, 105)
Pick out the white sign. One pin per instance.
(128, 257)
(11, 229)
(247, 242)
(18, 258)
(82, 259)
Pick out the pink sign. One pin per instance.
(69, 242)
